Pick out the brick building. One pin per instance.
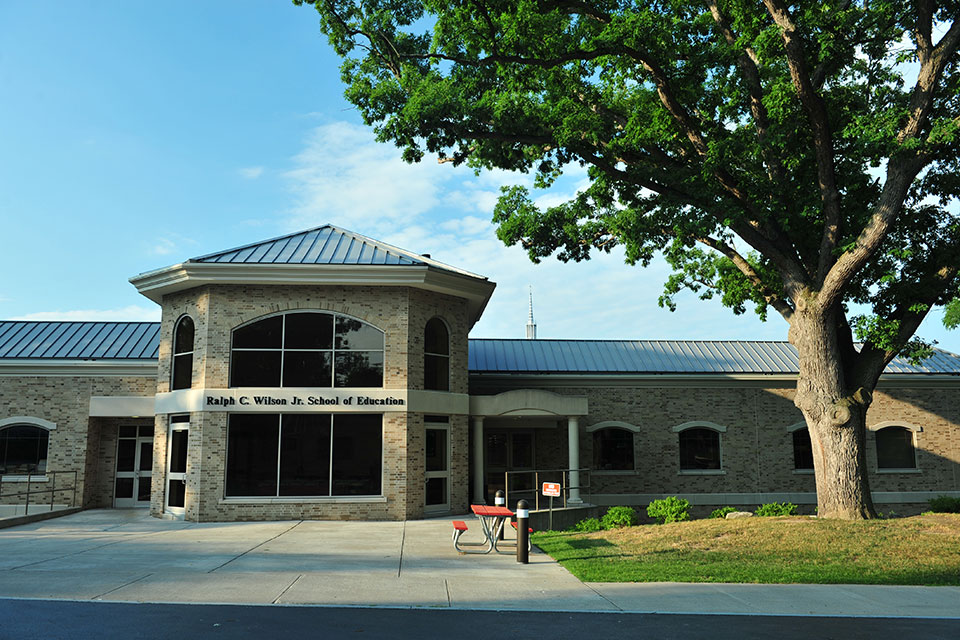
(326, 375)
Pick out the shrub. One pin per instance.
(944, 504)
(589, 525)
(672, 509)
(617, 517)
(776, 509)
(722, 512)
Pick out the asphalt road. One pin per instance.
(58, 619)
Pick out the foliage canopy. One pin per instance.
(777, 154)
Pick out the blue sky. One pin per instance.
(136, 135)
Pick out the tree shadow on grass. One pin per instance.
(590, 543)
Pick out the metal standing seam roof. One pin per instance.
(660, 357)
(328, 245)
(24, 340)
(79, 340)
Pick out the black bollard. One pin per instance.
(523, 532)
(499, 501)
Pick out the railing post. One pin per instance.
(536, 490)
(499, 501)
(73, 502)
(53, 488)
(506, 486)
(26, 507)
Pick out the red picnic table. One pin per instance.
(492, 521)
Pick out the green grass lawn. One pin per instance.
(922, 550)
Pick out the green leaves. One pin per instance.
(753, 166)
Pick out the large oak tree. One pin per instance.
(800, 157)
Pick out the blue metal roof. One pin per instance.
(79, 340)
(659, 357)
(324, 245)
(140, 341)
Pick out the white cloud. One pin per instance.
(344, 177)
(170, 244)
(131, 313)
(251, 173)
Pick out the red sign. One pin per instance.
(551, 489)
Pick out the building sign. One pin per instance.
(298, 400)
(274, 400)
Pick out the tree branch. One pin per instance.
(820, 128)
(772, 298)
(910, 315)
(901, 171)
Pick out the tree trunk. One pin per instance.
(835, 416)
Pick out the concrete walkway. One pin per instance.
(125, 555)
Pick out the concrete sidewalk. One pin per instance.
(125, 555)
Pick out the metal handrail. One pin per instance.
(50, 476)
(565, 486)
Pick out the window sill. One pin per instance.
(295, 500)
(702, 472)
(803, 472)
(19, 478)
(615, 472)
(899, 471)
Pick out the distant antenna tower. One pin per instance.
(531, 326)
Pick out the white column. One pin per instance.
(479, 496)
(573, 443)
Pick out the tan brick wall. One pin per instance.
(400, 312)
(78, 442)
(757, 448)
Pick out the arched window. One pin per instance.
(699, 446)
(23, 446)
(307, 349)
(436, 358)
(182, 375)
(802, 450)
(613, 449)
(895, 448)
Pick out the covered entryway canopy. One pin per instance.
(527, 403)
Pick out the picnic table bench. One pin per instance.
(492, 521)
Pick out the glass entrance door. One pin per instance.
(437, 468)
(509, 450)
(176, 489)
(134, 466)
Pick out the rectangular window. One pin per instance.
(252, 454)
(304, 455)
(356, 454)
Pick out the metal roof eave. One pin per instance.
(81, 368)
(187, 275)
(593, 379)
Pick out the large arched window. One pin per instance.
(436, 358)
(182, 374)
(699, 444)
(23, 446)
(307, 349)
(895, 448)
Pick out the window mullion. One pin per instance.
(283, 353)
(330, 470)
(279, 449)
